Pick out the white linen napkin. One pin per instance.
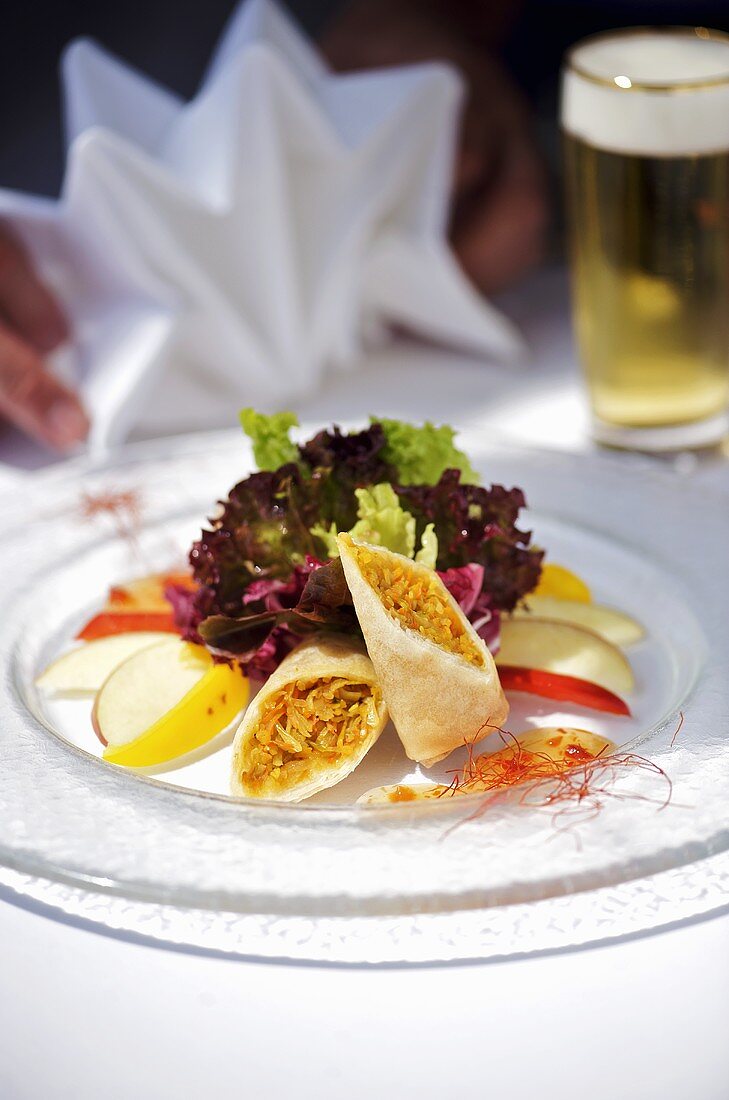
(237, 247)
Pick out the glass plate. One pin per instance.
(409, 882)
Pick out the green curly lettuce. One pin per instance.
(270, 437)
(382, 521)
(428, 552)
(421, 453)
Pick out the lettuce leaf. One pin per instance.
(382, 521)
(327, 536)
(341, 463)
(465, 584)
(428, 552)
(478, 525)
(261, 586)
(422, 453)
(270, 435)
(281, 613)
(263, 531)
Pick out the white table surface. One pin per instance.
(88, 1015)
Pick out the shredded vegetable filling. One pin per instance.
(307, 724)
(416, 601)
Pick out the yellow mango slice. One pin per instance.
(164, 702)
(557, 580)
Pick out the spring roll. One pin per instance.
(438, 678)
(311, 723)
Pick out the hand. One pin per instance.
(499, 209)
(31, 326)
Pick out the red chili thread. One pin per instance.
(677, 729)
(574, 789)
(123, 507)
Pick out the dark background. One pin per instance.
(172, 41)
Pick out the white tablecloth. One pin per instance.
(86, 1015)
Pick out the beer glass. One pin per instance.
(645, 118)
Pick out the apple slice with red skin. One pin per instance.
(145, 593)
(567, 689)
(567, 649)
(136, 605)
(560, 660)
(107, 623)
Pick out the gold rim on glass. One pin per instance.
(703, 33)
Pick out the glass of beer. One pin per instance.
(645, 115)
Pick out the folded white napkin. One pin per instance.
(236, 247)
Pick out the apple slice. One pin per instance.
(527, 757)
(83, 670)
(136, 605)
(565, 649)
(165, 701)
(107, 623)
(403, 792)
(566, 745)
(145, 593)
(556, 580)
(532, 756)
(612, 625)
(569, 689)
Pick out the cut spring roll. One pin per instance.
(311, 723)
(437, 676)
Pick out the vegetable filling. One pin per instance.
(417, 601)
(307, 725)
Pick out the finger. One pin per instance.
(25, 303)
(36, 401)
(499, 234)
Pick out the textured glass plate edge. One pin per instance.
(684, 891)
(638, 907)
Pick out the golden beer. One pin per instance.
(647, 187)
